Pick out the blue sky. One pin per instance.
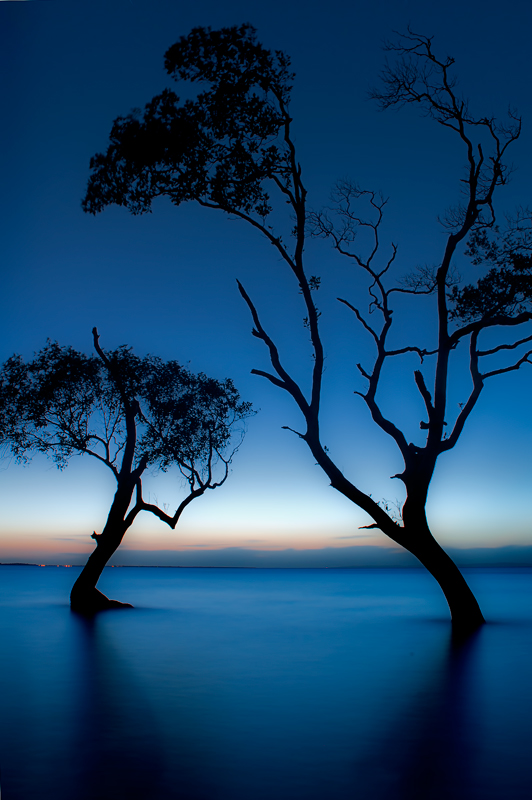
(165, 283)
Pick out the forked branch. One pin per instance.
(284, 381)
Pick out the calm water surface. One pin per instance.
(238, 684)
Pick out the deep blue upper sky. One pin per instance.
(165, 283)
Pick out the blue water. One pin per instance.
(230, 684)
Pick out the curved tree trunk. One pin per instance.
(415, 535)
(85, 597)
(466, 615)
(465, 610)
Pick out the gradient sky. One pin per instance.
(165, 283)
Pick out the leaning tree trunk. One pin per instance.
(415, 535)
(85, 597)
(466, 615)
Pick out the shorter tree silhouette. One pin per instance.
(129, 413)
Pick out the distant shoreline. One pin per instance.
(486, 566)
(343, 557)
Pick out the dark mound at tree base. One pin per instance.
(90, 602)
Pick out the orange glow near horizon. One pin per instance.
(75, 547)
(18, 541)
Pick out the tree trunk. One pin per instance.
(415, 535)
(466, 615)
(85, 597)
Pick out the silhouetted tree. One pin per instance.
(232, 144)
(129, 413)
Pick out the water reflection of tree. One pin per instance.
(118, 743)
(115, 741)
(427, 752)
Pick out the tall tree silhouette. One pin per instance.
(129, 413)
(232, 146)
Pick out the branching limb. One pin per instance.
(525, 359)
(419, 77)
(385, 424)
(478, 384)
(489, 322)
(285, 381)
(297, 433)
(105, 461)
(364, 375)
(500, 347)
(406, 290)
(222, 480)
(276, 381)
(186, 502)
(360, 318)
(422, 353)
(131, 409)
(105, 443)
(274, 240)
(424, 392)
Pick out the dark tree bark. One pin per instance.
(465, 610)
(418, 539)
(85, 597)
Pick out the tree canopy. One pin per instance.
(63, 402)
(217, 148)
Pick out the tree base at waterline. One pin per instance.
(90, 601)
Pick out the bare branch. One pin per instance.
(425, 394)
(276, 381)
(297, 433)
(385, 424)
(525, 359)
(489, 322)
(364, 374)
(105, 461)
(500, 347)
(360, 318)
(286, 382)
(478, 385)
(274, 240)
(422, 353)
(418, 76)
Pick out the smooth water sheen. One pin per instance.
(236, 684)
